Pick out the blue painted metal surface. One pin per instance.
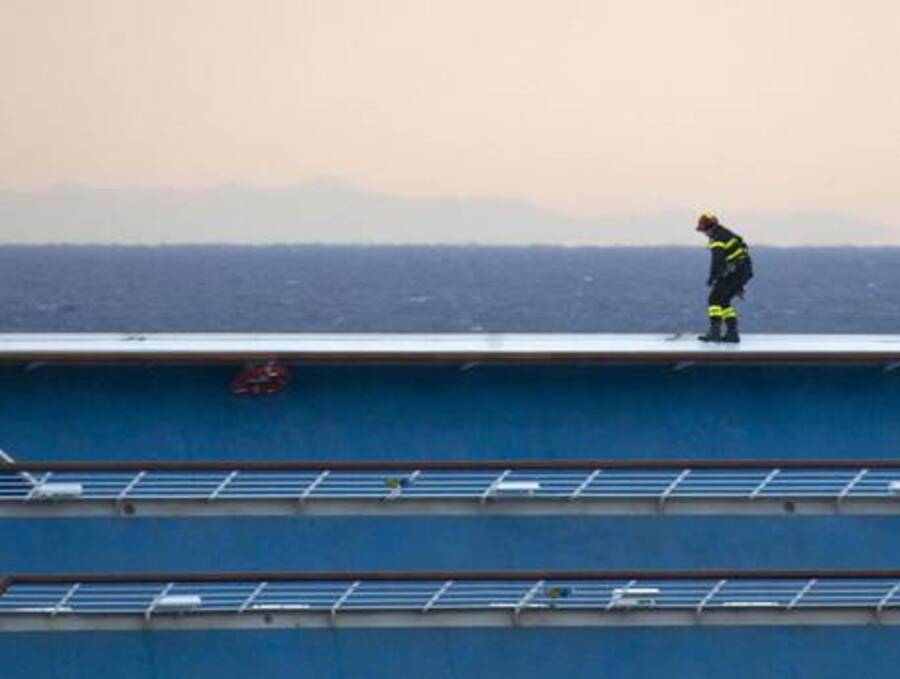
(460, 543)
(423, 412)
(737, 653)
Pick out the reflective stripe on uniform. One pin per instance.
(715, 311)
(726, 244)
(736, 254)
(729, 312)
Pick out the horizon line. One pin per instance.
(435, 244)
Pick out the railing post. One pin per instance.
(612, 600)
(887, 598)
(66, 599)
(34, 488)
(130, 487)
(156, 600)
(526, 598)
(672, 486)
(394, 493)
(313, 485)
(856, 479)
(709, 596)
(801, 594)
(437, 595)
(228, 479)
(252, 597)
(584, 484)
(343, 598)
(493, 487)
(765, 482)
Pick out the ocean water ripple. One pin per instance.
(434, 289)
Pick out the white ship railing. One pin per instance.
(449, 487)
(450, 598)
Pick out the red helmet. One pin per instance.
(706, 222)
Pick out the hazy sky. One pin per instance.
(588, 108)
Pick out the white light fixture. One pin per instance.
(518, 487)
(629, 597)
(280, 607)
(512, 606)
(56, 490)
(177, 603)
(894, 487)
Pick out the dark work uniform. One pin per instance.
(729, 271)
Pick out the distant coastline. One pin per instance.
(339, 212)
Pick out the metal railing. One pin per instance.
(346, 487)
(549, 598)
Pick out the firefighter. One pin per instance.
(730, 270)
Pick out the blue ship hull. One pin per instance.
(382, 412)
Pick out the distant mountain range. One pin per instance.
(333, 211)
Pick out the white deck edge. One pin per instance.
(136, 508)
(422, 347)
(24, 622)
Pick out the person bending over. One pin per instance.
(730, 270)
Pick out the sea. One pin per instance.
(321, 288)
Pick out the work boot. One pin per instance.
(714, 334)
(731, 331)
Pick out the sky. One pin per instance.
(587, 109)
